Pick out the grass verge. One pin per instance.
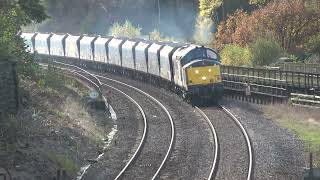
(304, 122)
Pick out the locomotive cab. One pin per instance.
(199, 73)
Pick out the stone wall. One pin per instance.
(9, 99)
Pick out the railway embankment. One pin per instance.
(55, 129)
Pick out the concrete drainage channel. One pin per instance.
(95, 84)
(110, 137)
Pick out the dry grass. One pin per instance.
(304, 122)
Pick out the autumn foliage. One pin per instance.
(290, 22)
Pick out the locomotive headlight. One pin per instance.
(209, 70)
(204, 78)
(197, 71)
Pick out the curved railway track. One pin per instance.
(194, 155)
(231, 135)
(235, 153)
(143, 138)
(154, 138)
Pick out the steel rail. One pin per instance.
(244, 132)
(132, 100)
(144, 130)
(216, 143)
(163, 107)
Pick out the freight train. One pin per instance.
(192, 71)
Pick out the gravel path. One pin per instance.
(278, 154)
(233, 152)
(193, 150)
(130, 129)
(157, 139)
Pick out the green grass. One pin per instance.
(308, 133)
(304, 122)
(64, 162)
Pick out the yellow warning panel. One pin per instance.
(203, 75)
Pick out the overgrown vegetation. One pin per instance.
(13, 15)
(265, 51)
(64, 162)
(236, 56)
(127, 29)
(157, 36)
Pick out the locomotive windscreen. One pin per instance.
(200, 53)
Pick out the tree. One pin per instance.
(13, 15)
(313, 45)
(265, 51)
(218, 10)
(127, 30)
(236, 56)
(290, 22)
(207, 7)
(157, 36)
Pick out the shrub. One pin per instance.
(157, 36)
(127, 30)
(236, 56)
(265, 51)
(313, 45)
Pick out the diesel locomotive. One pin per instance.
(190, 70)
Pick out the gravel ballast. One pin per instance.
(130, 126)
(193, 150)
(278, 154)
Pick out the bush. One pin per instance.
(313, 45)
(127, 30)
(265, 51)
(236, 56)
(157, 36)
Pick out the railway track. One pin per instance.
(153, 149)
(235, 153)
(194, 154)
(157, 145)
(142, 164)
